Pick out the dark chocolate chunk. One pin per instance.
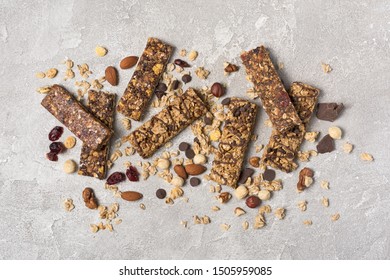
(226, 101)
(186, 78)
(160, 94)
(245, 174)
(175, 84)
(329, 111)
(208, 121)
(161, 193)
(326, 145)
(184, 146)
(194, 181)
(162, 87)
(181, 63)
(269, 175)
(190, 153)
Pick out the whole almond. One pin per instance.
(128, 62)
(195, 169)
(111, 75)
(180, 171)
(131, 196)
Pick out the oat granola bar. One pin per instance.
(61, 104)
(276, 102)
(236, 134)
(182, 111)
(283, 146)
(146, 76)
(93, 162)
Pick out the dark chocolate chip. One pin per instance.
(245, 174)
(226, 101)
(162, 87)
(196, 140)
(329, 111)
(190, 153)
(194, 181)
(326, 145)
(186, 78)
(161, 193)
(208, 121)
(160, 94)
(184, 146)
(181, 63)
(175, 84)
(269, 175)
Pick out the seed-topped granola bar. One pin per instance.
(61, 104)
(283, 146)
(146, 76)
(93, 162)
(275, 99)
(182, 111)
(236, 134)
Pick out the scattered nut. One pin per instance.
(230, 68)
(264, 194)
(70, 166)
(199, 159)
(305, 179)
(241, 192)
(224, 197)
(366, 157)
(89, 198)
(254, 161)
(335, 132)
(239, 211)
(100, 51)
(253, 201)
(347, 147)
(70, 142)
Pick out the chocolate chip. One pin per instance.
(194, 181)
(181, 63)
(186, 78)
(226, 101)
(160, 94)
(269, 175)
(190, 153)
(326, 145)
(175, 84)
(245, 174)
(184, 146)
(196, 140)
(162, 87)
(161, 193)
(208, 121)
(329, 111)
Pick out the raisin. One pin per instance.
(52, 156)
(116, 178)
(56, 133)
(132, 174)
(56, 147)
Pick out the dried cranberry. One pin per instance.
(52, 156)
(56, 147)
(132, 174)
(116, 178)
(284, 99)
(56, 133)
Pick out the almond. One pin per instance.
(131, 196)
(112, 75)
(128, 62)
(195, 169)
(180, 171)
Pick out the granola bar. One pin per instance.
(283, 146)
(276, 102)
(93, 162)
(146, 76)
(182, 111)
(61, 104)
(234, 141)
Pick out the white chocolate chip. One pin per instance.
(241, 192)
(177, 182)
(200, 159)
(335, 132)
(70, 166)
(347, 147)
(163, 163)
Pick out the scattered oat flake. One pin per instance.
(225, 227)
(215, 208)
(325, 185)
(184, 223)
(142, 206)
(268, 123)
(202, 73)
(302, 205)
(43, 90)
(51, 73)
(183, 52)
(307, 222)
(326, 67)
(68, 205)
(366, 157)
(192, 55)
(40, 75)
(245, 225)
(281, 65)
(280, 213)
(325, 201)
(335, 217)
(347, 147)
(94, 228)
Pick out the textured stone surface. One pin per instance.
(352, 38)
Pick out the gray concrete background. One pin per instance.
(352, 36)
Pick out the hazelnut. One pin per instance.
(89, 198)
(253, 201)
(163, 163)
(70, 166)
(335, 132)
(177, 182)
(200, 159)
(241, 192)
(254, 161)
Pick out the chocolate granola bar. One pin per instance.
(283, 146)
(61, 104)
(276, 102)
(146, 76)
(93, 162)
(182, 111)
(236, 134)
